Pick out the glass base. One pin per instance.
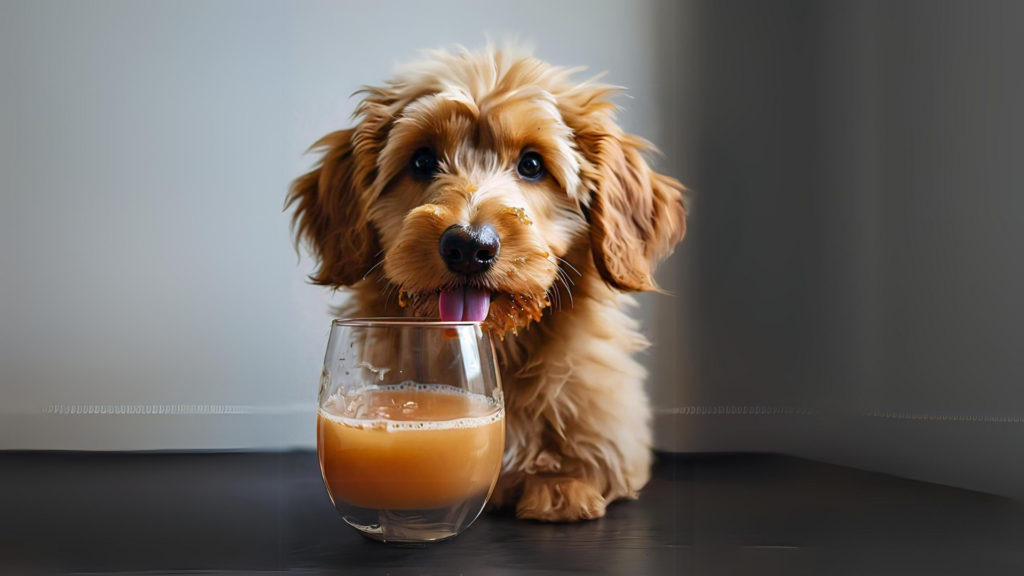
(409, 526)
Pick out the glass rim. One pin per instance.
(391, 321)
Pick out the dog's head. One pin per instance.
(467, 179)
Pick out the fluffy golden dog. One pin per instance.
(491, 186)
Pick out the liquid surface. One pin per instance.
(409, 446)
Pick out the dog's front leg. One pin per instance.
(576, 442)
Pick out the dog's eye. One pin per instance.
(531, 166)
(424, 163)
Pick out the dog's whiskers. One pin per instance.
(373, 267)
(562, 275)
(568, 289)
(554, 295)
(391, 291)
(573, 268)
(565, 275)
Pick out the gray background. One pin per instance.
(854, 241)
(856, 236)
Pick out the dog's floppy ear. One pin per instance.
(636, 215)
(332, 201)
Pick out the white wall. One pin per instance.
(146, 151)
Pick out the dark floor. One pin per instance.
(737, 514)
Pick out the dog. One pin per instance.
(490, 186)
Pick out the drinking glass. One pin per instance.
(411, 429)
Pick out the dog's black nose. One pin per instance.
(468, 250)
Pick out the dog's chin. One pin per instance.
(500, 312)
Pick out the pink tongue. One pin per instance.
(451, 304)
(464, 304)
(478, 302)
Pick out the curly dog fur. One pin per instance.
(574, 243)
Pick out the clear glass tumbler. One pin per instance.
(411, 427)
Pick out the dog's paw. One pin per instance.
(559, 499)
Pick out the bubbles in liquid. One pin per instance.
(374, 407)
